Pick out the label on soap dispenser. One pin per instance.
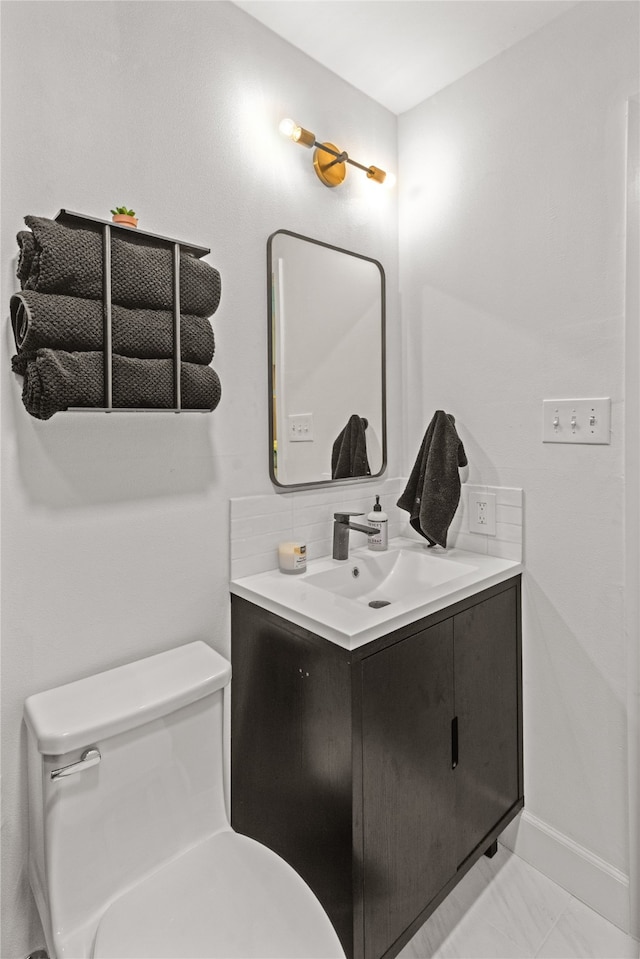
(378, 540)
(378, 519)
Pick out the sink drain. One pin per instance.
(379, 603)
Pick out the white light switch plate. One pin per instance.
(300, 427)
(577, 421)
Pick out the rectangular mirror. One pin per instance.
(326, 363)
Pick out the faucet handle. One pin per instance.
(343, 517)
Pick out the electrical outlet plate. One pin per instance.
(300, 427)
(482, 513)
(577, 421)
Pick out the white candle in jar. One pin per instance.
(292, 557)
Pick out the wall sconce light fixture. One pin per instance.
(329, 162)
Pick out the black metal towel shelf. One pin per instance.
(68, 218)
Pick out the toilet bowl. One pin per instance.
(131, 853)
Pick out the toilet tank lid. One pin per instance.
(83, 712)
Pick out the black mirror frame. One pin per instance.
(285, 487)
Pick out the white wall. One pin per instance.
(632, 512)
(512, 226)
(115, 528)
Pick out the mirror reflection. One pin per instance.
(326, 368)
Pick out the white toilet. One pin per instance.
(131, 851)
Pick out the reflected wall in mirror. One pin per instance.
(326, 363)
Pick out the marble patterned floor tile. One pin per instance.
(580, 933)
(520, 902)
(471, 939)
(502, 907)
(479, 940)
(442, 923)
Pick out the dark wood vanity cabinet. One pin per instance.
(383, 773)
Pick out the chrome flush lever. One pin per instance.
(90, 757)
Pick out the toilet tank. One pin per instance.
(156, 790)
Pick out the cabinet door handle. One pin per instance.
(454, 742)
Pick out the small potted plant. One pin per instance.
(124, 216)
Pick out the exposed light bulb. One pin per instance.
(297, 133)
(289, 128)
(390, 181)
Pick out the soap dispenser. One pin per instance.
(379, 519)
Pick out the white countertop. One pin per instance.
(351, 624)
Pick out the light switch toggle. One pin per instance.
(577, 421)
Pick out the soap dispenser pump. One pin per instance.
(376, 517)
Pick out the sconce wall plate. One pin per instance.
(328, 168)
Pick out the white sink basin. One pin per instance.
(379, 579)
(390, 589)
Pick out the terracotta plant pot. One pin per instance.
(124, 220)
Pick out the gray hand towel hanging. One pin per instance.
(432, 493)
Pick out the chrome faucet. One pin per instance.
(341, 526)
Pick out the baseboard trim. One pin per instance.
(587, 877)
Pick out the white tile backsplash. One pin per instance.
(508, 541)
(470, 541)
(260, 523)
(305, 515)
(505, 550)
(508, 532)
(509, 514)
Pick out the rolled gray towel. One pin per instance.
(61, 259)
(49, 320)
(56, 380)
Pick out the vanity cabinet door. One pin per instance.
(408, 786)
(487, 706)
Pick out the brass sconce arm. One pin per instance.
(328, 161)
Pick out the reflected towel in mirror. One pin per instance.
(349, 453)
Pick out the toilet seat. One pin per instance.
(228, 897)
